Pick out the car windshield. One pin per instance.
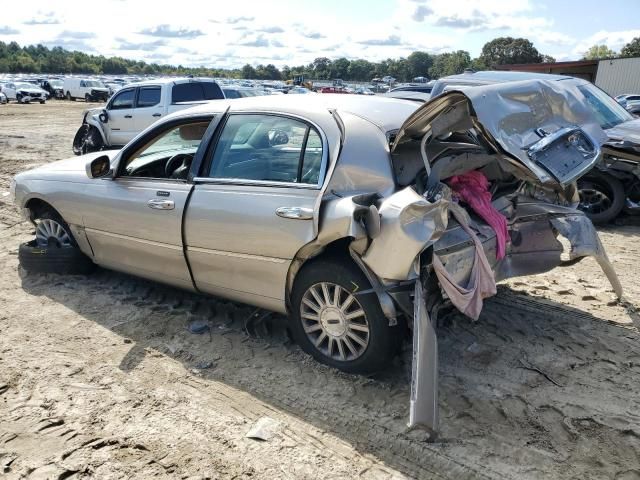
(250, 92)
(94, 83)
(608, 112)
(25, 85)
(55, 83)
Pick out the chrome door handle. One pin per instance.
(156, 115)
(298, 213)
(161, 204)
(128, 116)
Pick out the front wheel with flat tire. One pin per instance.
(87, 140)
(54, 249)
(336, 325)
(602, 197)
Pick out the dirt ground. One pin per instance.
(100, 378)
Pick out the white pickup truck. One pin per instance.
(138, 105)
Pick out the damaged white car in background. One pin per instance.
(356, 216)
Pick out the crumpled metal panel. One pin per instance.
(585, 242)
(512, 112)
(423, 405)
(409, 224)
(511, 116)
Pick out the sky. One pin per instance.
(230, 34)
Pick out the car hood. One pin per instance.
(629, 130)
(624, 140)
(31, 90)
(72, 164)
(518, 120)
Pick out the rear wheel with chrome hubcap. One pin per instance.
(334, 321)
(338, 324)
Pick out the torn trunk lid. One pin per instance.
(540, 129)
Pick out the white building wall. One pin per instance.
(619, 75)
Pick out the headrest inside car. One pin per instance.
(193, 132)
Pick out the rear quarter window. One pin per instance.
(195, 92)
(212, 91)
(187, 92)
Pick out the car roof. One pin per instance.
(498, 76)
(386, 113)
(165, 81)
(408, 95)
(237, 87)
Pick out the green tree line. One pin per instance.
(631, 49)
(500, 51)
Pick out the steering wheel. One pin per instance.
(175, 162)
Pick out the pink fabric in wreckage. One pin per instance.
(473, 188)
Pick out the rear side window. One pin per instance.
(123, 100)
(268, 148)
(148, 97)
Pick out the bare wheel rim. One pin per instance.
(593, 199)
(334, 321)
(48, 231)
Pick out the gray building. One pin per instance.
(614, 75)
(619, 75)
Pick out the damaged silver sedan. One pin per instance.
(358, 217)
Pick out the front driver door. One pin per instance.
(134, 221)
(120, 128)
(255, 208)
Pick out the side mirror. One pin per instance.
(278, 137)
(104, 116)
(99, 167)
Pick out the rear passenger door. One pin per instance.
(148, 107)
(254, 207)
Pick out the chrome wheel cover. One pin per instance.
(49, 230)
(334, 321)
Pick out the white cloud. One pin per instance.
(613, 40)
(254, 31)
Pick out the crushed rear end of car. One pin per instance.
(485, 187)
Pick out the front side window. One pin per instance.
(123, 100)
(148, 97)
(167, 155)
(268, 148)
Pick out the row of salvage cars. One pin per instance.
(359, 217)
